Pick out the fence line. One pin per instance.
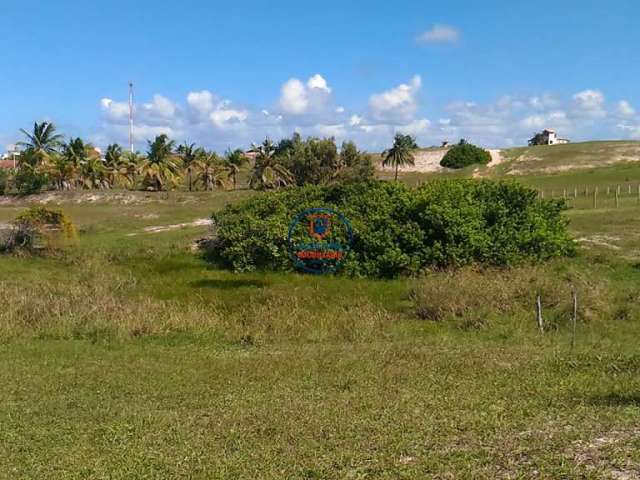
(595, 196)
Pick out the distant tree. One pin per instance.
(114, 164)
(60, 171)
(268, 172)
(43, 138)
(189, 154)
(93, 173)
(160, 168)
(538, 139)
(233, 160)
(464, 154)
(354, 165)
(402, 153)
(212, 173)
(41, 142)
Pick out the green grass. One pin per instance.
(130, 357)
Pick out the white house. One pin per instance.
(551, 137)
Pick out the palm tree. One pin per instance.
(113, 163)
(75, 153)
(189, 154)
(401, 154)
(212, 172)
(131, 165)
(41, 142)
(93, 173)
(160, 168)
(268, 172)
(233, 160)
(61, 171)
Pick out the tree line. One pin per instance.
(47, 161)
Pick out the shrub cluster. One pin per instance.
(464, 154)
(399, 230)
(38, 229)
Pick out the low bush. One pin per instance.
(5, 179)
(38, 229)
(465, 154)
(398, 230)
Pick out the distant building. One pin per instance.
(547, 137)
(9, 159)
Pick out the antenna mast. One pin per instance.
(131, 117)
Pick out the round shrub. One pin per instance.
(398, 230)
(38, 229)
(465, 154)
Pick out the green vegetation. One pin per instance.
(38, 229)
(464, 154)
(401, 153)
(129, 356)
(47, 162)
(398, 230)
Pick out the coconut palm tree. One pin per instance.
(212, 173)
(189, 154)
(117, 166)
(75, 153)
(267, 172)
(160, 168)
(40, 143)
(232, 161)
(93, 173)
(402, 153)
(43, 137)
(61, 171)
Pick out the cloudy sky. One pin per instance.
(225, 74)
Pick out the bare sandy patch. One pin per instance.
(200, 222)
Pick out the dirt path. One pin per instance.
(199, 222)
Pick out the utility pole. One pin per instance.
(131, 117)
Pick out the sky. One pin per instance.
(226, 74)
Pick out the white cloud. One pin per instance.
(398, 104)
(293, 98)
(440, 34)
(296, 98)
(590, 103)
(202, 102)
(625, 109)
(116, 112)
(317, 81)
(308, 107)
(160, 109)
(226, 117)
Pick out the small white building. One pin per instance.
(552, 138)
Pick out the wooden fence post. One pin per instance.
(575, 191)
(574, 319)
(595, 198)
(608, 190)
(617, 198)
(539, 314)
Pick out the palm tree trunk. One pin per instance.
(189, 173)
(396, 172)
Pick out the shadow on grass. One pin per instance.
(617, 400)
(228, 284)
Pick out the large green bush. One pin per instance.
(464, 154)
(399, 230)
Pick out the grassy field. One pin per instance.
(130, 357)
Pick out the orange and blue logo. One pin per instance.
(319, 240)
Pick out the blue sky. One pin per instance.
(229, 73)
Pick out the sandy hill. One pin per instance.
(573, 156)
